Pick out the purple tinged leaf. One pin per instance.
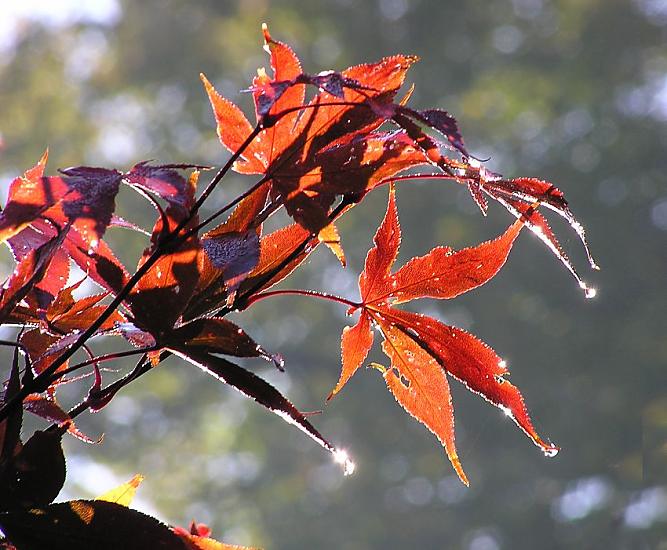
(90, 199)
(235, 253)
(442, 122)
(164, 181)
(330, 82)
(269, 94)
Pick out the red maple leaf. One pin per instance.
(300, 146)
(422, 350)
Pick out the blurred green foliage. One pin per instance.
(570, 91)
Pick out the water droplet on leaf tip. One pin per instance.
(550, 451)
(589, 291)
(341, 457)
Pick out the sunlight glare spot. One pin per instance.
(341, 457)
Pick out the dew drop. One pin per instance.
(589, 291)
(341, 457)
(550, 451)
(278, 361)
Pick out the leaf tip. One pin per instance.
(205, 81)
(458, 468)
(45, 158)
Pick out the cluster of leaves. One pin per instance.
(317, 158)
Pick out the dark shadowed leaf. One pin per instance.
(37, 343)
(164, 291)
(87, 524)
(58, 271)
(101, 264)
(217, 335)
(258, 389)
(442, 122)
(35, 475)
(10, 427)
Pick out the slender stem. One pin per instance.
(140, 368)
(241, 300)
(39, 383)
(274, 119)
(406, 177)
(301, 292)
(289, 110)
(100, 359)
(220, 212)
(221, 174)
(40, 380)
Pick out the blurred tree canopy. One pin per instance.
(571, 91)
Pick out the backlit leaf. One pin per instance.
(420, 386)
(356, 342)
(165, 290)
(423, 350)
(123, 494)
